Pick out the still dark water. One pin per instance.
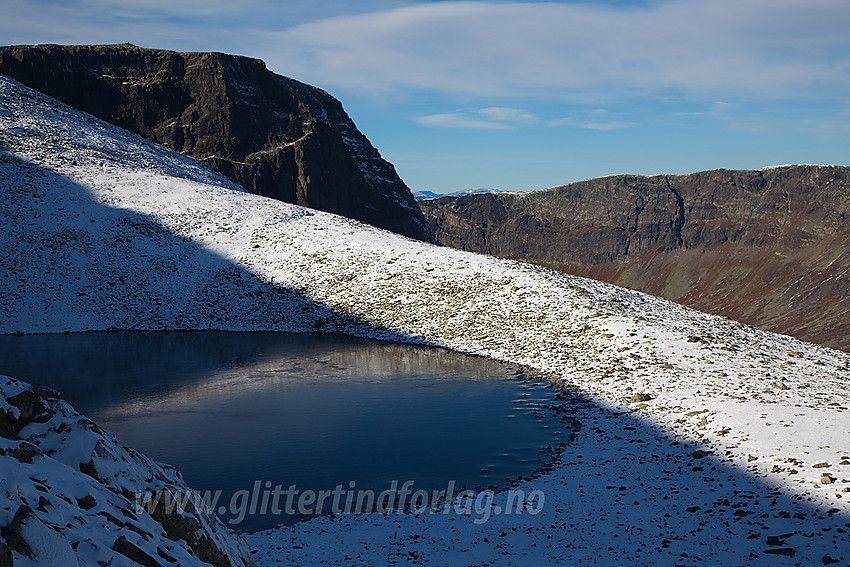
(231, 410)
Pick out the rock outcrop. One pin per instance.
(275, 136)
(72, 495)
(770, 248)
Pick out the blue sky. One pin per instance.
(525, 95)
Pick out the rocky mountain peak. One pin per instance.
(274, 135)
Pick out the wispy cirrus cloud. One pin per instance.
(490, 118)
(502, 118)
(613, 125)
(770, 47)
(592, 119)
(460, 120)
(191, 25)
(509, 115)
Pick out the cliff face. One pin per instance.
(275, 136)
(770, 248)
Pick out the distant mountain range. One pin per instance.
(275, 136)
(420, 195)
(770, 247)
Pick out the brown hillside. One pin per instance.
(770, 248)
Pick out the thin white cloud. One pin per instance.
(712, 49)
(591, 119)
(460, 120)
(721, 106)
(608, 125)
(490, 118)
(502, 114)
(770, 47)
(502, 118)
(191, 25)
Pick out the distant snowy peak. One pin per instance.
(787, 165)
(422, 195)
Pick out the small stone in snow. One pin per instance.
(87, 502)
(777, 539)
(789, 551)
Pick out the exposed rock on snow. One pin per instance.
(68, 494)
(146, 239)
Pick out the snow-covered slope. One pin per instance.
(68, 493)
(703, 440)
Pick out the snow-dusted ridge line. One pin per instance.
(649, 175)
(769, 167)
(128, 242)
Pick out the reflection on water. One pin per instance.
(229, 409)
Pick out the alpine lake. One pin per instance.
(241, 412)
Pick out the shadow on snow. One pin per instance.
(73, 264)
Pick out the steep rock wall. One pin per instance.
(276, 136)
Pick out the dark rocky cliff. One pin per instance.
(770, 248)
(276, 136)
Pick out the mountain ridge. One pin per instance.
(767, 247)
(274, 135)
(419, 195)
